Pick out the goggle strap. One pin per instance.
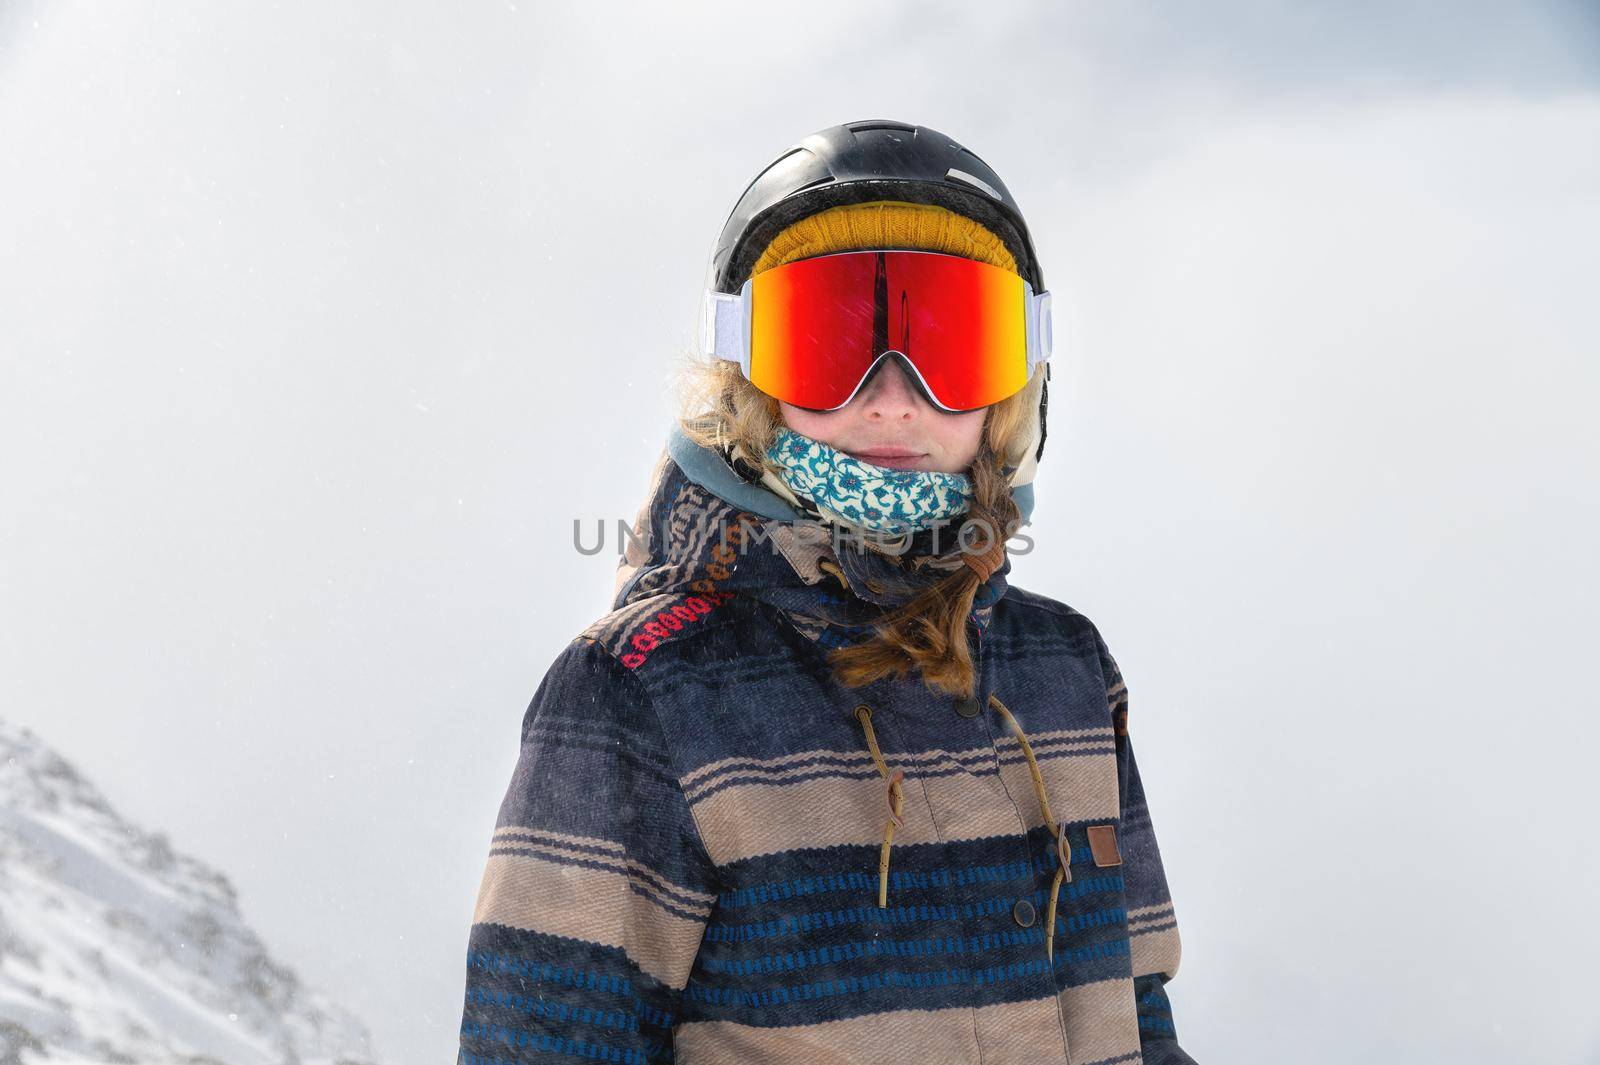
(724, 319)
(1040, 329)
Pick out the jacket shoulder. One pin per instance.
(637, 631)
(1028, 610)
(586, 674)
(1031, 608)
(1031, 605)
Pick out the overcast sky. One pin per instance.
(319, 325)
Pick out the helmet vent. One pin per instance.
(967, 179)
(867, 127)
(826, 179)
(974, 157)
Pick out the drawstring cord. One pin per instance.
(896, 798)
(1063, 844)
(895, 793)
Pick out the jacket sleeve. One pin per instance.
(1152, 924)
(597, 887)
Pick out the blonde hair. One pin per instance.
(723, 410)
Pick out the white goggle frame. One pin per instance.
(725, 328)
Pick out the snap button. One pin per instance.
(1023, 913)
(968, 706)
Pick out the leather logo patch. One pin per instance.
(1103, 845)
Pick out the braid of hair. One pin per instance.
(930, 632)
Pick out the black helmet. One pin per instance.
(875, 159)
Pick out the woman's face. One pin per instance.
(890, 423)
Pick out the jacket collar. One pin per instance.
(703, 531)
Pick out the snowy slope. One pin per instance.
(115, 948)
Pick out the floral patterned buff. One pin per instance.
(882, 498)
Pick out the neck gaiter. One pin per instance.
(881, 498)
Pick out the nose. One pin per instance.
(891, 394)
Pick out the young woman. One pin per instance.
(822, 787)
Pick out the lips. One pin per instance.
(890, 456)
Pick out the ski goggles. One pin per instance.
(811, 331)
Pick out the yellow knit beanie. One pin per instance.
(886, 224)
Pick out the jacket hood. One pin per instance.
(707, 533)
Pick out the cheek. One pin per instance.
(818, 426)
(962, 433)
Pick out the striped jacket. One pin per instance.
(697, 856)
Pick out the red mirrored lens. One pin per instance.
(817, 326)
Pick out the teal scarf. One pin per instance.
(884, 499)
